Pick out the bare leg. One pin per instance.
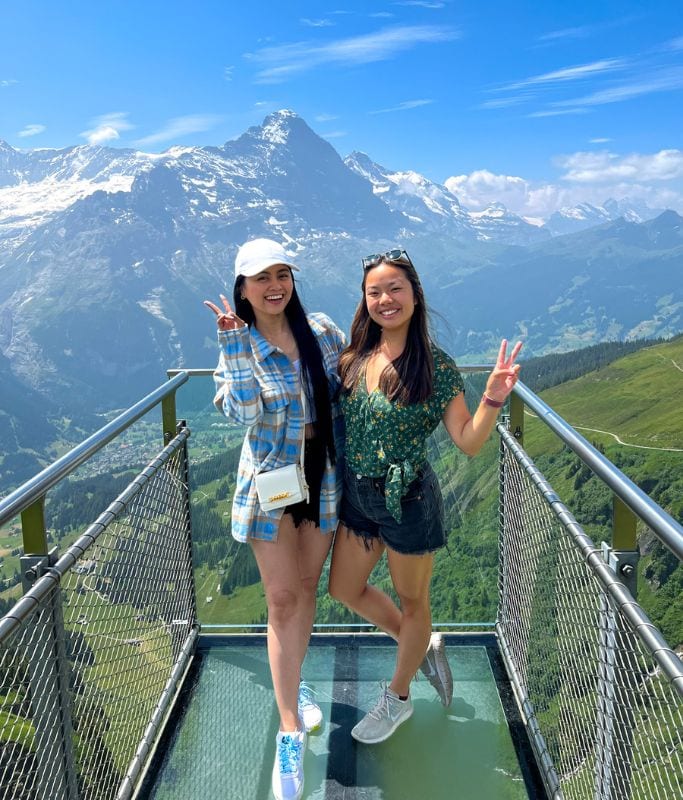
(290, 568)
(351, 566)
(411, 576)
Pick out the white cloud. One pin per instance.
(7, 82)
(317, 23)
(480, 188)
(585, 31)
(662, 81)
(283, 61)
(31, 130)
(325, 117)
(105, 133)
(606, 167)
(181, 126)
(599, 140)
(505, 102)
(578, 72)
(420, 4)
(580, 32)
(653, 179)
(227, 73)
(406, 105)
(558, 112)
(106, 128)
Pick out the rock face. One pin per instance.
(106, 256)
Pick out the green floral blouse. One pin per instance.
(386, 438)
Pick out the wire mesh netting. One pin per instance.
(607, 722)
(88, 652)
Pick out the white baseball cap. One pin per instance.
(259, 254)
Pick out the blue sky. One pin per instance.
(537, 105)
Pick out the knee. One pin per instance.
(414, 606)
(282, 603)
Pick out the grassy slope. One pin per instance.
(636, 397)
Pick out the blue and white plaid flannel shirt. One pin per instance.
(258, 386)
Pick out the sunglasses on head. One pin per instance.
(394, 256)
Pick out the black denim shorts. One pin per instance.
(421, 530)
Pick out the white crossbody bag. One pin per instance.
(284, 486)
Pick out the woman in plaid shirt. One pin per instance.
(269, 348)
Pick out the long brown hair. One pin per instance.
(409, 378)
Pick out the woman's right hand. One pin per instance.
(226, 320)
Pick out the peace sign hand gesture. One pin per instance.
(505, 374)
(228, 320)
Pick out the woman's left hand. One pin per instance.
(505, 374)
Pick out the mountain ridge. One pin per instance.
(105, 293)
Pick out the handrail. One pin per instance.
(205, 372)
(21, 498)
(664, 526)
(648, 634)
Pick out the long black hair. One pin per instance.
(410, 377)
(310, 356)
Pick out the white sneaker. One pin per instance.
(437, 670)
(380, 722)
(288, 769)
(309, 711)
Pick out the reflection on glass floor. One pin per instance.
(221, 743)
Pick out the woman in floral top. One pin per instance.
(396, 388)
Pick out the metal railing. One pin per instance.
(92, 655)
(600, 691)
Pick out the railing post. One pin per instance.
(168, 417)
(49, 681)
(33, 529)
(625, 544)
(516, 426)
(188, 523)
(615, 691)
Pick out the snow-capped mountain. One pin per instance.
(427, 207)
(422, 203)
(106, 256)
(585, 215)
(497, 223)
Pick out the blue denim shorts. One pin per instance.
(421, 530)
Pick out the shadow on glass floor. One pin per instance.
(221, 742)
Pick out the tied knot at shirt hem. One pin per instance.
(399, 477)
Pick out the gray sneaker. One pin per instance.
(437, 670)
(380, 722)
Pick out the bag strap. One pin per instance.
(303, 406)
(302, 395)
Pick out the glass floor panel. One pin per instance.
(220, 742)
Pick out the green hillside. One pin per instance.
(630, 411)
(636, 398)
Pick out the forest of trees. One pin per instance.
(543, 372)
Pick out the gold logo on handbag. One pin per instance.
(284, 486)
(280, 496)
